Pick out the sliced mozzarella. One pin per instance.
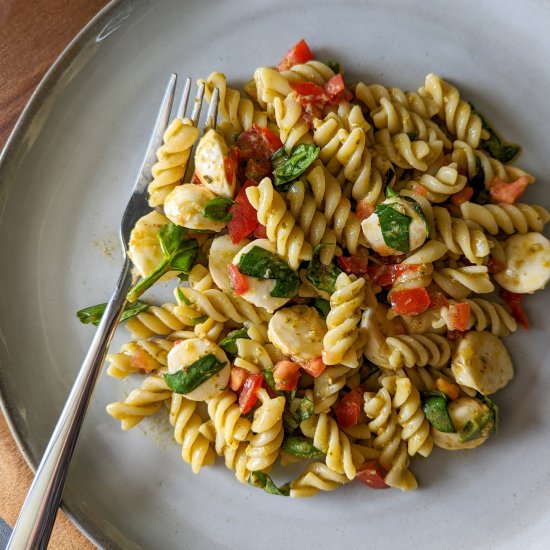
(259, 290)
(210, 165)
(298, 332)
(144, 247)
(462, 411)
(186, 352)
(185, 204)
(527, 263)
(481, 362)
(221, 254)
(373, 231)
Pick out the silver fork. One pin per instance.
(36, 519)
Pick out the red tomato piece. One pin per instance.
(459, 315)
(356, 264)
(505, 192)
(334, 86)
(237, 280)
(372, 474)
(244, 218)
(260, 232)
(237, 378)
(464, 195)
(494, 266)
(308, 92)
(297, 55)
(229, 168)
(195, 179)
(258, 143)
(348, 409)
(513, 300)
(387, 274)
(249, 396)
(314, 367)
(257, 169)
(363, 210)
(437, 297)
(419, 189)
(410, 301)
(286, 375)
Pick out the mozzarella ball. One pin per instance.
(462, 411)
(210, 164)
(258, 292)
(482, 362)
(527, 263)
(186, 352)
(185, 204)
(373, 231)
(298, 332)
(221, 254)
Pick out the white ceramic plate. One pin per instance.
(65, 178)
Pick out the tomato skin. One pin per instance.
(248, 396)
(387, 274)
(238, 281)
(356, 264)
(286, 375)
(348, 410)
(372, 474)
(513, 300)
(243, 216)
(308, 92)
(258, 143)
(260, 232)
(464, 195)
(297, 55)
(494, 266)
(237, 377)
(437, 297)
(508, 193)
(410, 301)
(229, 168)
(315, 367)
(363, 210)
(459, 315)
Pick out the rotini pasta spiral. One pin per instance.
(342, 320)
(456, 113)
(268, 433)
(327, 386)
(459, 283)
(156, 320)
(509, 218)
(418, 349)
(172, 157)
(200, 278)
(292, 127)
(393, 450)
(311, 71)
(195, 447)
(446, 181)
(141, 402)
(316, 477)
(252, 356)
(142, 355)
(416, 429)
(281, 227)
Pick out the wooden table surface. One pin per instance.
(33, 34)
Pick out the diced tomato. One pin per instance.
(513, 300)
(334, 86)
(244, 218)
(419, 189)
(494, 266)
(260, 232)
(505, 192)
(249, 396)
(384, 274)
(459, 315)
(237, 280)
(348, 409)
(308, 92)
(410, 301)
(229, 168)
(372, 474)
(297, 55)
(237, 378)
(286, 375)
(195, 179)
(437, 297)
(464, 195)
(314, 367)
(363, 210)
(356, 264)
(257, 169)
(450, 389)
(258, 143)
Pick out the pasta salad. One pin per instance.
(348, 259)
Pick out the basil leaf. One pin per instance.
(478, 427)
(334, 65)
(494, 408)
(217, 209)
(183, 298)
(481, 194)
(418, 209)
(288, 168)
(199, 320)
(322, 306)
(270, 380)
(262, 264)
(390, 193)
(186, 256)
(263, 481)
(303, 411)
(229, 343)
(93, 314)
(302, 447)
(170, 236)
(193, 375)
(504, 152)
(320, 275)
(435, 409)
(394, 226)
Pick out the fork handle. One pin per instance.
(35, 522)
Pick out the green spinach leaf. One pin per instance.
(287, 168)
(334, 65)
(302, 447)
(229, 343)
(322, 306)
(192, 376)
(435, 409)
(394, 226)
(263, 481)
(218, 209)
(93, 314)
(320, 275)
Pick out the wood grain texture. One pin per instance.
(32, 35)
